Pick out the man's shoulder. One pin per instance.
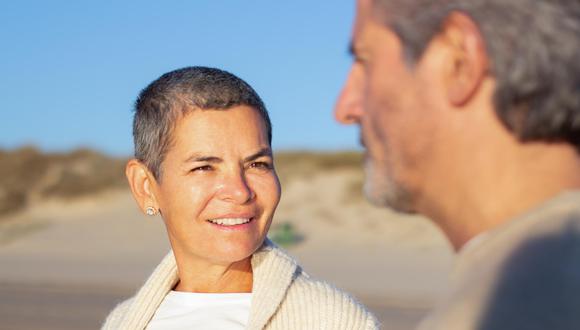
(539, 279)
(525, 275)
(553, 225)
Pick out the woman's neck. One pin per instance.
(204, 277)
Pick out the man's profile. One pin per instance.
(470, 115)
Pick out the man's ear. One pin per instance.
(142, 183)
(467, 64)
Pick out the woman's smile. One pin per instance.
(232, 223)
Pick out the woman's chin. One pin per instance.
(231, 251)
(235, 243)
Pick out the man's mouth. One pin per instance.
(230, 221)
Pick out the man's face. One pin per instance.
(392, 104)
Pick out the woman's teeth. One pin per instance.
(230, 221)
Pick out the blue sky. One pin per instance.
(70, 70)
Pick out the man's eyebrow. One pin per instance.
(264, 152)
(202, 158)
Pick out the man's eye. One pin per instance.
(202, 168)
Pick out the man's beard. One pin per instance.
(383, 190)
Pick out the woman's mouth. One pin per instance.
(230, 222)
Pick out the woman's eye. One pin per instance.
(202, 168)
(261, 165)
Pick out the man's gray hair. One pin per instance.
(176, 93)
(534, 48)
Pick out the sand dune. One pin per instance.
(64, 264)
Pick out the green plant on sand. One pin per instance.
(285, 235)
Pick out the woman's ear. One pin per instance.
(141, 182)
(467, 64)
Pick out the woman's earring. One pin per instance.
(150, 210)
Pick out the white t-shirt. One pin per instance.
(207, 311)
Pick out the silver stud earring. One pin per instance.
(150, 210)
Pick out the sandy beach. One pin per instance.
(65, 264)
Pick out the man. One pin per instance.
(470, 115)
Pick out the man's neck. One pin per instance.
(506, 184)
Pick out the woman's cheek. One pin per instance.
(272, 191)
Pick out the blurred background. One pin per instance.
(72, 241)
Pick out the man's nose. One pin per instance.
(348, 108)
(235, 189)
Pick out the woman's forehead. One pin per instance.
(212, 132)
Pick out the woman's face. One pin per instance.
(218, 188)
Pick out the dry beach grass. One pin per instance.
(72, 242)
(29, 176)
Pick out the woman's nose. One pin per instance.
(235, 189)
(348, 108)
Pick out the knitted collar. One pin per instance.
(273, 272)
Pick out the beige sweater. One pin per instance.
(283, 297)
(522, 275)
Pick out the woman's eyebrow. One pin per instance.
(202, 158)
(265, 152)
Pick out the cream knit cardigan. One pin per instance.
(283, 297)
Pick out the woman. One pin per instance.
(204, 163)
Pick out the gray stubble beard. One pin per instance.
(381, 189)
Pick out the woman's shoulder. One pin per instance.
(318, 302)
(341, 310)
(116, 316)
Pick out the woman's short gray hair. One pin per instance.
(173, 95)
(534, 46)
